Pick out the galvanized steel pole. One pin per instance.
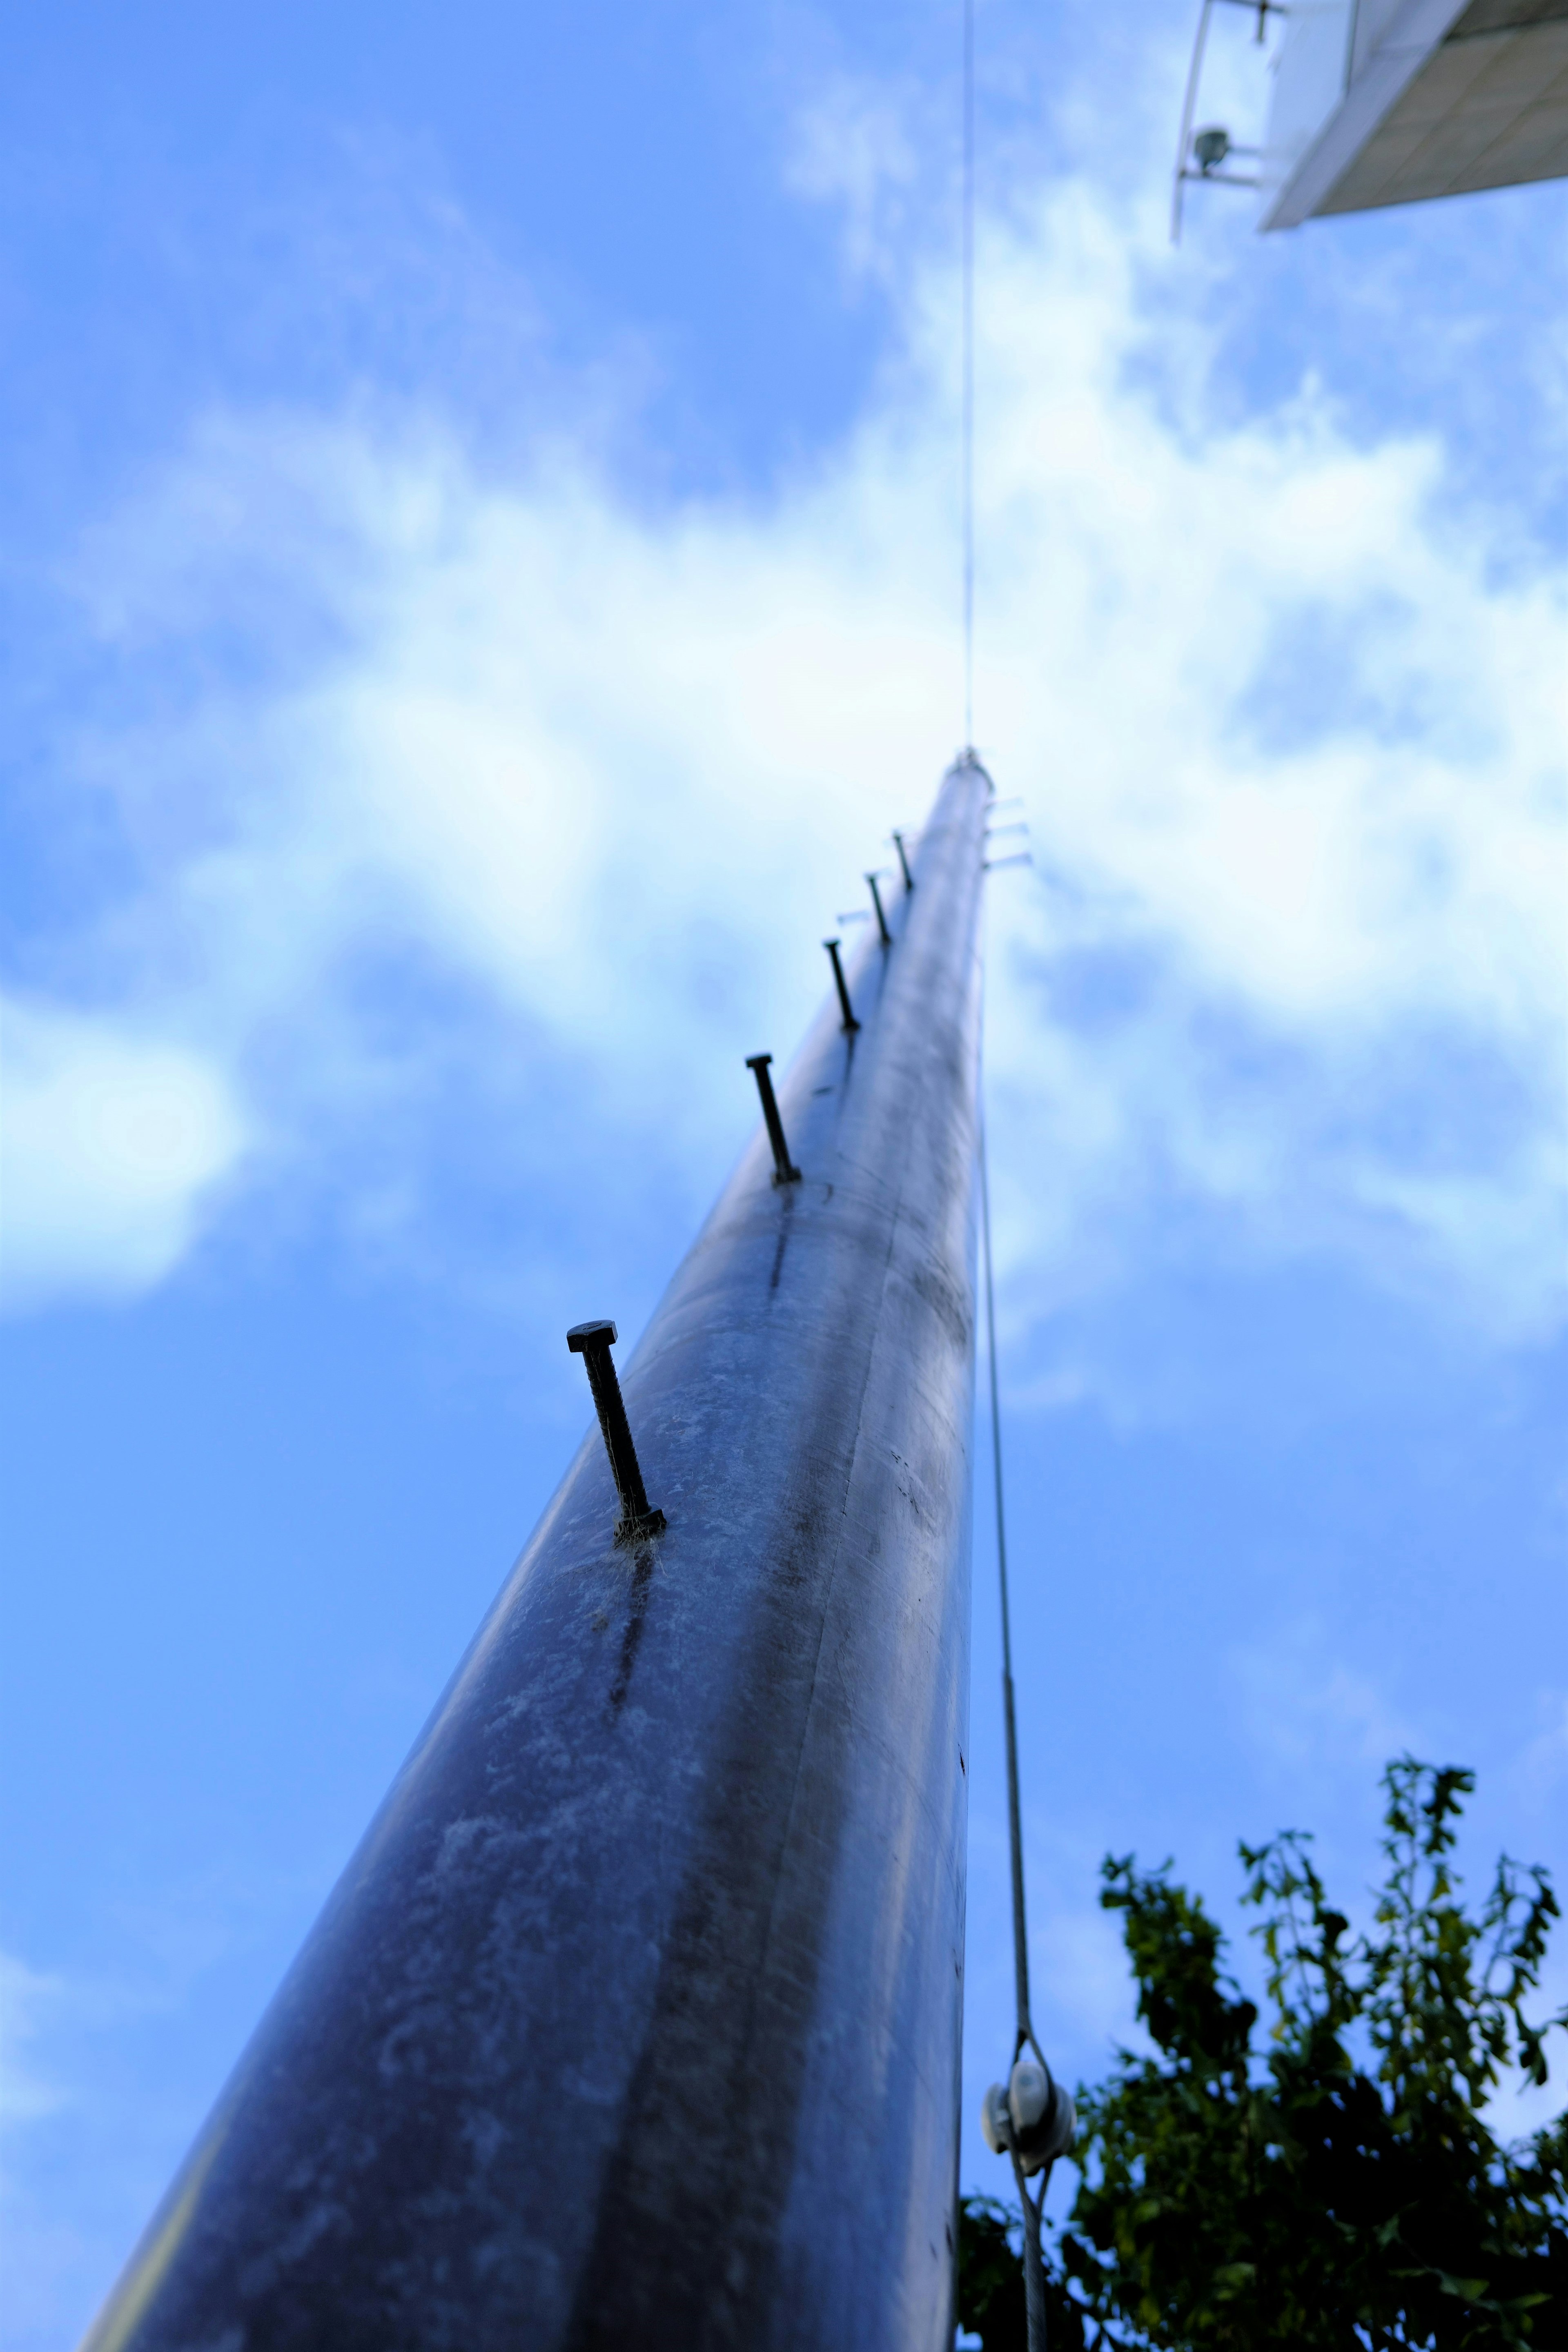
(635, 2020)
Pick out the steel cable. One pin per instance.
(1034, 2264)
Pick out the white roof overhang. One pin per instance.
(1438, 97)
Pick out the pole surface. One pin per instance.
(635, 2018)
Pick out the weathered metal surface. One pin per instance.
(635, 2018)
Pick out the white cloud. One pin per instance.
(854, 146)
(111, 1142)
(1289, 734)
(1544, 1763)
(1302, 1706)
(26, 1998)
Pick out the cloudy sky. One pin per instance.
(479, 580)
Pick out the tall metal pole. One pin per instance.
(635, 2017)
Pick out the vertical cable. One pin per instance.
(1033, 2207)
(967, 428)
(1014, 1824)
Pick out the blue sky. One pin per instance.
(479, 582)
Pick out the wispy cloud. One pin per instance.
(1304, 1706)
(27, 1997)
(1286, 721)
(112, 1146)
(1542, 1765)
(854, 146)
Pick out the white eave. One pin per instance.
(1440, 109)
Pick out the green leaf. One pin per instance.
(1468, 2290)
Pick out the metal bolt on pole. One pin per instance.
(784, 1169)
(881, 918)
(592, 1342)
(903, 861)
(842, 985)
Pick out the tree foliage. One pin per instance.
(1334, 2184)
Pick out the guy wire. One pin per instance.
(1014, 1822)
(1033, 2208)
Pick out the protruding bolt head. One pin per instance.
(584, 1336)
(758, 1061)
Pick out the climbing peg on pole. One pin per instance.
(592, 1342)
(784, 1169)
(903, 861)
(845, 1006)
(881, 918)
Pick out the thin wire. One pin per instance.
(1034, 2206)
(1034, 2259)
(968, 363)
(1034, 2265)
(1014, 1822)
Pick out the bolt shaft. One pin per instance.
(592, 1342)
(784, 1169)
(881, 918)
(903, 861)
(843, 1005)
